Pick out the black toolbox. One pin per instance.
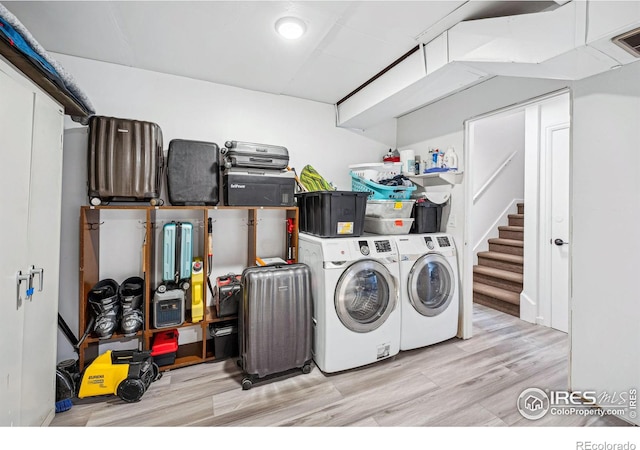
(256, 187)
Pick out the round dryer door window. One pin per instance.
(365, 296)
(430, 284)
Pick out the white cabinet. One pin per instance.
(31, 126)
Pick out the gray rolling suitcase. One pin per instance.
(258, 156)
(275, 321)
(124, 160)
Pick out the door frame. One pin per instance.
(532, 250)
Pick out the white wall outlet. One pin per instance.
(452, 221)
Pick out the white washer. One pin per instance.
(356, 299)
(429, 287)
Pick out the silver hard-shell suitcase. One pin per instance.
(259, 156)
(275, 321)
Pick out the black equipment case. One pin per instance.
(255, 187)
(124, 160)
(282, 343)
(193, 173)
(260, 156)
(228, 295)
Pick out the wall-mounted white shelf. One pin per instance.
(436, 178)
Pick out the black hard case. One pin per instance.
(124, 160)
(258, 187)
(193, 172)
(259, 156)
(275, 319)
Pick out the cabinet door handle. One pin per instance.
(20, 277)
(40, 273)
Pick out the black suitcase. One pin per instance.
(124, 160)
(193, 173)
(259, 156)
(275, 321)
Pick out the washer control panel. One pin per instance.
(376, 247)
(443, 241)
(383, 246)
(429, 241)
(440, 242)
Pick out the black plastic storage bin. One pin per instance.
(225, 340)
(427, 217)
(332, 213)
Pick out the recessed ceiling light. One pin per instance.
(290, 27)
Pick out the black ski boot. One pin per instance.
(130, 294)
(103, 299)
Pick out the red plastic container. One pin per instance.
(165, 347)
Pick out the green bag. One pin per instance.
(313, 181)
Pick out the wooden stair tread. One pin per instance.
(516, 216)
(498, 305)
(502, 257)
(499, 273)
(496, 292)
(510, 228)
(521, 205)
(503, 241)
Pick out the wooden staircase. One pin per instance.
(497, 279)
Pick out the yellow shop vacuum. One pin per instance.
(125, 373)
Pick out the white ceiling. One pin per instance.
(235, 43)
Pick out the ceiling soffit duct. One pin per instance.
(630, 42)
(571, 42)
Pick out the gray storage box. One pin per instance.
(256, 187)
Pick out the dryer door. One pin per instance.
(431, 284)
(365, 296)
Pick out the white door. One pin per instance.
(40, 313)
(16, 113)
(554, 122)
(559, 227)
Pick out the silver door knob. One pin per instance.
(560, 242)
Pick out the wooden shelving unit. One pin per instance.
(149, 219)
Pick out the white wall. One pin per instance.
(605, 322)
(191, 109)
(496, 149)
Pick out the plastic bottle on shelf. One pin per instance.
(434, 158)
(450, 160)
(440, 160)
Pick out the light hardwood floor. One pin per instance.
(472, 382)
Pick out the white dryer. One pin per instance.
(428, 289)
(356, 299)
